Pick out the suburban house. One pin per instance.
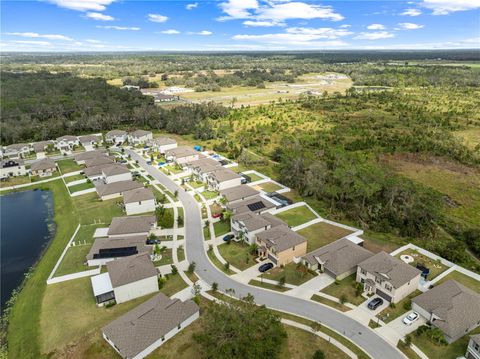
(116, 189)
(116, 136)
(98, 161)
(12, 168)
(130, 226)
(66, 143)
(41, 147)
(163, 144)
(280, 245)
(43, 168)
(116, 173)
(107, 249)
(140, 331)
(223, 178)
(451, 307)
(182, 155)
(88, 155)
(338, 259)
(256, 204)
(139, 137)
(246, 225)
(95, 173)
(473, 349)
(90, 141)
(140, 200)
(238, 193)
(202, 167)
(388, 277)
(126, 278)
(17, 150)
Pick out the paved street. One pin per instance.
(369, 340)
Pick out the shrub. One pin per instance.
(407, 305)
(226, 265)
(214, 286)
(343, 299)
(174, 269)
(318, 354)
(191, 267)
(281, 281)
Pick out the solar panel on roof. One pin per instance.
(255, 206)
(115, 252)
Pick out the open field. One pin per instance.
(321, 234)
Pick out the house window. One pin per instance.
(378, 280)
(388, 287)
(476, 347)
(363, 271)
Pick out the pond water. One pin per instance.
(26, 228)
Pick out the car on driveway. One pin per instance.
(411, 318)
(375, 303)
(153, 241)
(228, 237)
(217, 215)
(265, 267)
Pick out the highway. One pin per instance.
(364, 337)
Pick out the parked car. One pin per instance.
(411, 318)
(375, 303)
(228, 237)
(149, 163)
(217, 215)
(265, 267)
(153, 241)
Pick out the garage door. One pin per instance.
(384, 295)
(331, 274)
(273, 259)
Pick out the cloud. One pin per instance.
(411, 12)
(28, 42)
(409, 26)
(319, 33)
(157, 18)
(445, 7)
(120, 28)
(191, 6)
(459, 44)
(201, 33)
(170, 32)
(376, 35)
(238, 9)
(376, 27)
(83, 5)
(257, 23)
(43, 36)
(92, 41)
(99, 16)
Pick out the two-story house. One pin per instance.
(223, 178)
(12, 168)
(473, 349)
(246, 225)
(116, 136)
(140, 137)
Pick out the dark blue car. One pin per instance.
(265, 267)
(228, 237)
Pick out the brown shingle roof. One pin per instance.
(162, 141)
(98, 160)
(253, 221)
(115, 169)
(131, 269)
(238, 192)
(137, 195)
(117, 187)
(40, 146)
(139, 133)
(182, 151)
(119, 242)
(281, 238)
(131, 225)
(139, 328)
(67, 138)
(223, 174)
(95, 170)
(43, 164)
(89, 155)
(114, 133)
(90, 138)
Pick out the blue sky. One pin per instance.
(231, 25)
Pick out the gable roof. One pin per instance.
(131, 225)
(95, 170)
(182, 151)
(115, 169)
(114, 133)
(89, 138)
(137, 195)
(43, 164)
(139, 328)
(339, 257)
(223, 175)
(238, 192)
(67, 138)
(40, 146)
(394, 270)
(253, 221)
(254, 204)
(140, 133)
(280, 237)
(98, 160)
(131, 269)
(139, 242)
(117, 187)
(457, 307)
(90, 154)
(16, 146)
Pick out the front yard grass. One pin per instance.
(159, 196)
(237, 254)
(293, 274)
(321, 234)
(219, 264)
(180, 254)
(15, 181)
(258, 283)
(462, 279)
(174, 284)
(80, 187)
(196, 184)
(221, 228)
(408, 351)
(346, 288)
(206, 233)
(210, 194)
(392, 312)
(436, 267)
(296, 216)
(167, 258)
(330, 303)
(68, 165)
(269, 186)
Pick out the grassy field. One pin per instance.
(174, 284)
(219, 264)
(330, 303)
(90, 208)
(296, 216)
(80, 187)
(167, 258)
(237, 254)
(68, 165)
(436, 267)
(268, 187)
(291, 273)
(345, 287)
(259, 283)
(321, 234)
(210, 194)
(462, 279)
(221, 228)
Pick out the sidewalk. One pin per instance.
(311, 287)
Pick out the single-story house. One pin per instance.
(183, 154)
(238, 193)
(107, 249)
(64, 142)
(451, 307)
(43, 168)
(12, 168)
(280, 245)
(256, 204)
(88, 155)
(98, 161)
(338, 259)
(40, 148)
(17, 150)
(163, 144)
(134, 225)
(90, 141)
(387, 276)
(140, 331)
(116, 136)
(246, 225)
(223, 178)
(126, 278)
(200, 168)
(139, 137)
(116, 173)
(473, 349)
(95, 173)
(116, 189)
(140, 200)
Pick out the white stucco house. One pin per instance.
(222, 179)
(17, 150)
(163, 144)
(12, 168)
(139, 137)
(116, 136)
(66, 143)
(140, 200)
(43, 168)
(182, 155)
(116, 173)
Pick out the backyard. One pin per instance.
(346, 288)
(80, 187)
(210, 194)
(436, 267)
(74, 178)
(321, 234)
(296, 216)
(462, 279)
(68, 165)
(269, 186)
(237, 254)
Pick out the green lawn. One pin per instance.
(436, 267)
(254, 177)
(463, 279)
(321, 234)
(219, 264)
(237, 254)
(181, 217)
(90, 208)
(180, 254)
(172, 169)
(68, 165)
(391, 313)
(330, 303)
(206, 233)
(15, 181)
(196, 184)
(291, 273)
(159, 196)
(269, 186)
(296, 216)
(167, 258)
(258, 283)
(407, 350)
(210, 194)
(345, 287)
(80, 187)
(221, 228)
(166, 220)
(174, 284)
(74, 178)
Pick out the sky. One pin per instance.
(237, 25)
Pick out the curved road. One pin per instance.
(361, 335)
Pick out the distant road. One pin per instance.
(364, 337)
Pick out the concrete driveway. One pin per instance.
(363, 314)
(396, 329)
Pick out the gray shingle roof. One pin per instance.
(339, 257)
(139, 328)
(90, 138)
(243, 206)
(115, 169)
(457, 307)
(114, 133)
(182, 151)
(90, 154)
(131, 269)
(390, 268)
(253, 221)
(40, 146)
(67, 138)
(98, 160)
(43, 164)
(95, 170)
(223, 174)
(281, 238)
(137, 195)
(238, 192)
(119, 242)
(131, 225)
(139, 133)
(117, 187)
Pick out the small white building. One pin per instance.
(116, 173)
(12, 168)
(139, 137)
(116, 136)
(163, 144)
(140, 200)
(222, 179)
